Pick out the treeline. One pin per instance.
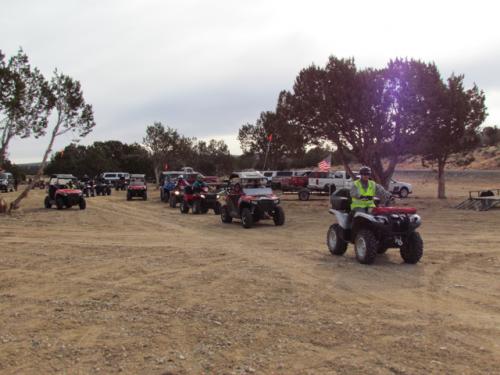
(374, 116)
(164, 148)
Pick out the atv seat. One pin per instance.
(341, 200)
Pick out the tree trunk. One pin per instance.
(157, 176)
(347, 167)
(441, 179)
(15, 204)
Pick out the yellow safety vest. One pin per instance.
(369, 192)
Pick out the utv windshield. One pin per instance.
(137, 182)
(66, 182)
(257, 191)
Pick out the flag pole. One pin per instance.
(269, 138)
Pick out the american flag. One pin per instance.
(325, 164)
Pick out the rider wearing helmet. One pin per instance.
(199, 184)
(364, 190)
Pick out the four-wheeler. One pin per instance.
(374, 231)
(200, 201)
(102, 187)
(87, 187)
(137, 187)
(6, 182)
(62, 192)
(247, 198)
(121, 183)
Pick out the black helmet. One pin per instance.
(365, 170)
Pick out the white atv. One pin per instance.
(374, 232)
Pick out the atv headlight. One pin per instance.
(202, 196)
(217, 196)
(276, 201)
(176, 193)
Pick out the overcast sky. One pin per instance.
(207, 67)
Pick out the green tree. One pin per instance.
(273, 132)
(25, 101)
(72, 114)
(452, 124)
(372, 114)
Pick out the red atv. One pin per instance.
(247, 198)
(62, 192)
(199, 200)
(137, 187)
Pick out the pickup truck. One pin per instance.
(329, 182)
(283, 179)
(325, 182)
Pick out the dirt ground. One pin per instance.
(138, 288)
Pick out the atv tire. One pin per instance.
(59, 203)
(366, 246)
(224, 215)
(335, 243)
(172, 201)
(47, 202)
(412, 249)
(279, 216)
(403, 193)
(217, 209)
(129, 196)
(82, 204)
(246, 218)
(145, 196)
(184, 208)
(197, 207)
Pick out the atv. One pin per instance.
(165, 190)
(87, 187)
(177, 193)
(102, 187)
(121, 183)
(200, 201)
(247, 198)
(62, 192)
(137, 187)
(375, 231)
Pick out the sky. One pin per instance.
(207, 67)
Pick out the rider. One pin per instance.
(199, 184)
(364, 190)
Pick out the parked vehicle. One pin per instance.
(137, 187)
(374, 232)
(200, 201)
(113, 177)
(282, 180)
(62, 192)
(6, 182)
(247, 198)
(269, 176)
(325, 182)
(403, 189)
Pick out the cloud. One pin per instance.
(206, 67)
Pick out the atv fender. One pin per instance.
(342, 218)
(363, 220)
(246, 205)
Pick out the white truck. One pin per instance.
(328, 182)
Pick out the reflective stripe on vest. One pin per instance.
(369, 192)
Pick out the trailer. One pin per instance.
(481, 200)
